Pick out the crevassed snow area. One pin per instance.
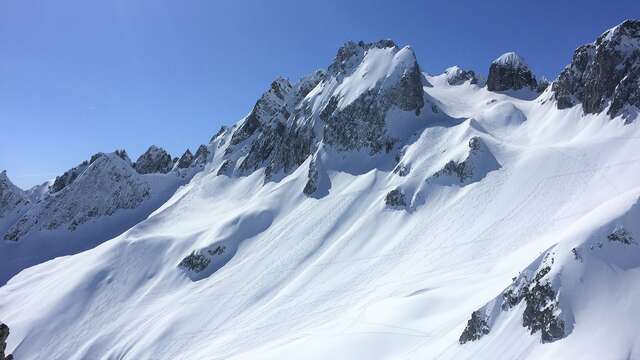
(344, 276)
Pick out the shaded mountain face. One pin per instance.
(605, 73)
(510, 72)
(107, 184)
(95, 188)
(88, 204)
(11, 197)
(154, 160)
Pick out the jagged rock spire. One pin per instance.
(10, 195)
(154, 160)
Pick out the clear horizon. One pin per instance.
(78, 78)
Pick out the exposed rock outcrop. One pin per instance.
(476, 328)
(70, 175)
(312, 178)
(458, 76)
(11, 196)
(603, 73)
(195, 262)
(395, 199)
(510, 72)
(154, 160)
(542, 309)
(288, 122)
(201, 156)
(360, 123)
(185, 160)
(4, 334)
(534, 291)
(621, 235)
(476, 164)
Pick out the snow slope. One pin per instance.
(496, 189)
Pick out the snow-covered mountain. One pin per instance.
(368, 211)
(88, 204)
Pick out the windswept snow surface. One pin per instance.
(343, 276)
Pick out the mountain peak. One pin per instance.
(154, 160)
(351, 53)
(604, 74)
(511, 59)
(457, 75)
(628, 29)
(510, 72)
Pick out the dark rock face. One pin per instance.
(313, 177)
(606, 72)
(458, 76)
(361, 124)
(395, 199)
(70, 175)
(154, 160)
(462, 170)
(278, 148)
(195, 262)
(541, 305)
(621, 235)
(510, 72)
(280, 142)
(185, 160)
(541, 313)
(200, 158)
(10, 195)
(269, 108)
(224, 168)
(4, 334)
(402, 170)
(476, 328)
(288, 122)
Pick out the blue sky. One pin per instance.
(78, 77)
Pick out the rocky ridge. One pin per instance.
(289, 122)
(604, 75)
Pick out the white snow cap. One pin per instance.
(511, 59)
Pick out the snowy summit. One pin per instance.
(511, 59)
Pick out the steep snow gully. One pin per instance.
(369, 211)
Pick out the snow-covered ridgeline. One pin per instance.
(368, 211)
